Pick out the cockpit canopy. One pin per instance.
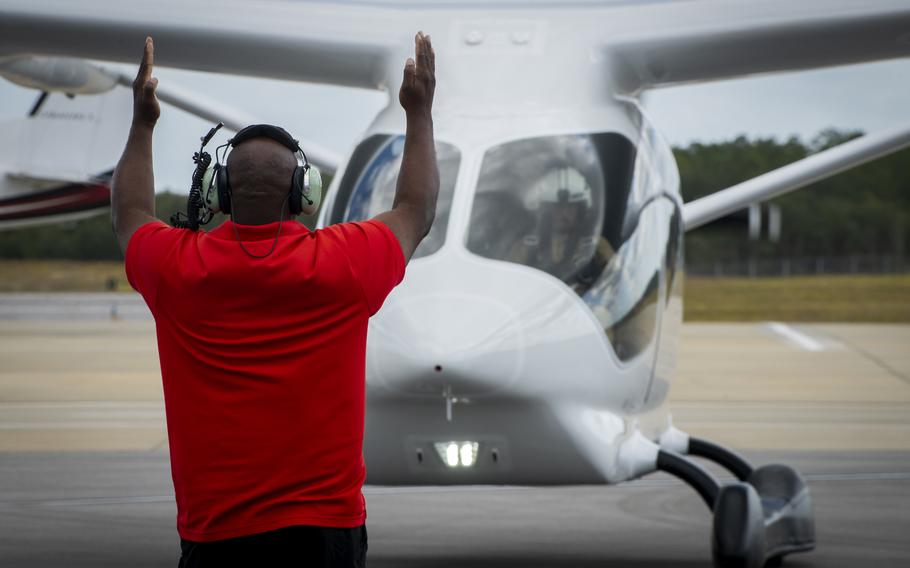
(368, 185)
(587, 209)
(547, 203)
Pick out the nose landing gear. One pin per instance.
(758, 519)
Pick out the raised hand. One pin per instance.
(145, 103)
(419, 82)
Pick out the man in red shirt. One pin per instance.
(262, 329)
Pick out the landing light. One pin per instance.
(458, 454)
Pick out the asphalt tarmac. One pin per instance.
(85, 481)
(116, 509)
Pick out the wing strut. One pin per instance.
(234, 119)
(796, 175)
(76, 76)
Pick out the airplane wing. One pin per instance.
(79, 77)
(318, 42)
(682, 42)
(652, 43)
(55, 164)
(721, 39)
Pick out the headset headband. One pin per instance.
(275, 133)
(271, 132)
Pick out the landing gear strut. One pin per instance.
(759, 519)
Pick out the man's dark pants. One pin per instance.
(298, 546)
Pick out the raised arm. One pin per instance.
(133, 183)
(414, 206)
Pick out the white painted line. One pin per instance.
(80, 425)
(90, 501)
(794, 336)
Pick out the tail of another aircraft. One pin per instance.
(56, 163)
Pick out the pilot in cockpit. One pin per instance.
(567, 240)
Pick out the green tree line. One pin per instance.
(865, 210)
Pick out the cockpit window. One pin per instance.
(368, 185)
(583, 209)
(553, 203)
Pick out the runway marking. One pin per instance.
(82, 404)
(81, 415)
(87, 425)
(794, 336)
(876, 360)
(90, 501)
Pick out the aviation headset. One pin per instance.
(306, 181)
(210, 191)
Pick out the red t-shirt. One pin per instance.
(262, 362)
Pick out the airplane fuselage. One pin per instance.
(542, 369)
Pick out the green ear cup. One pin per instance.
(314, 194)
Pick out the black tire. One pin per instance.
(738, 535)
(786, 500)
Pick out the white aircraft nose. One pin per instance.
(427, 343)
(471, 327)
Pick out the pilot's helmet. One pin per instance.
(564, 185)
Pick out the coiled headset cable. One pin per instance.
(196, 211)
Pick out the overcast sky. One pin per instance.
(867, 97)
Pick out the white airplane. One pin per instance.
(534, 338)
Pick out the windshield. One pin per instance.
(587, 210)
(368, 185)
(551, 203)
